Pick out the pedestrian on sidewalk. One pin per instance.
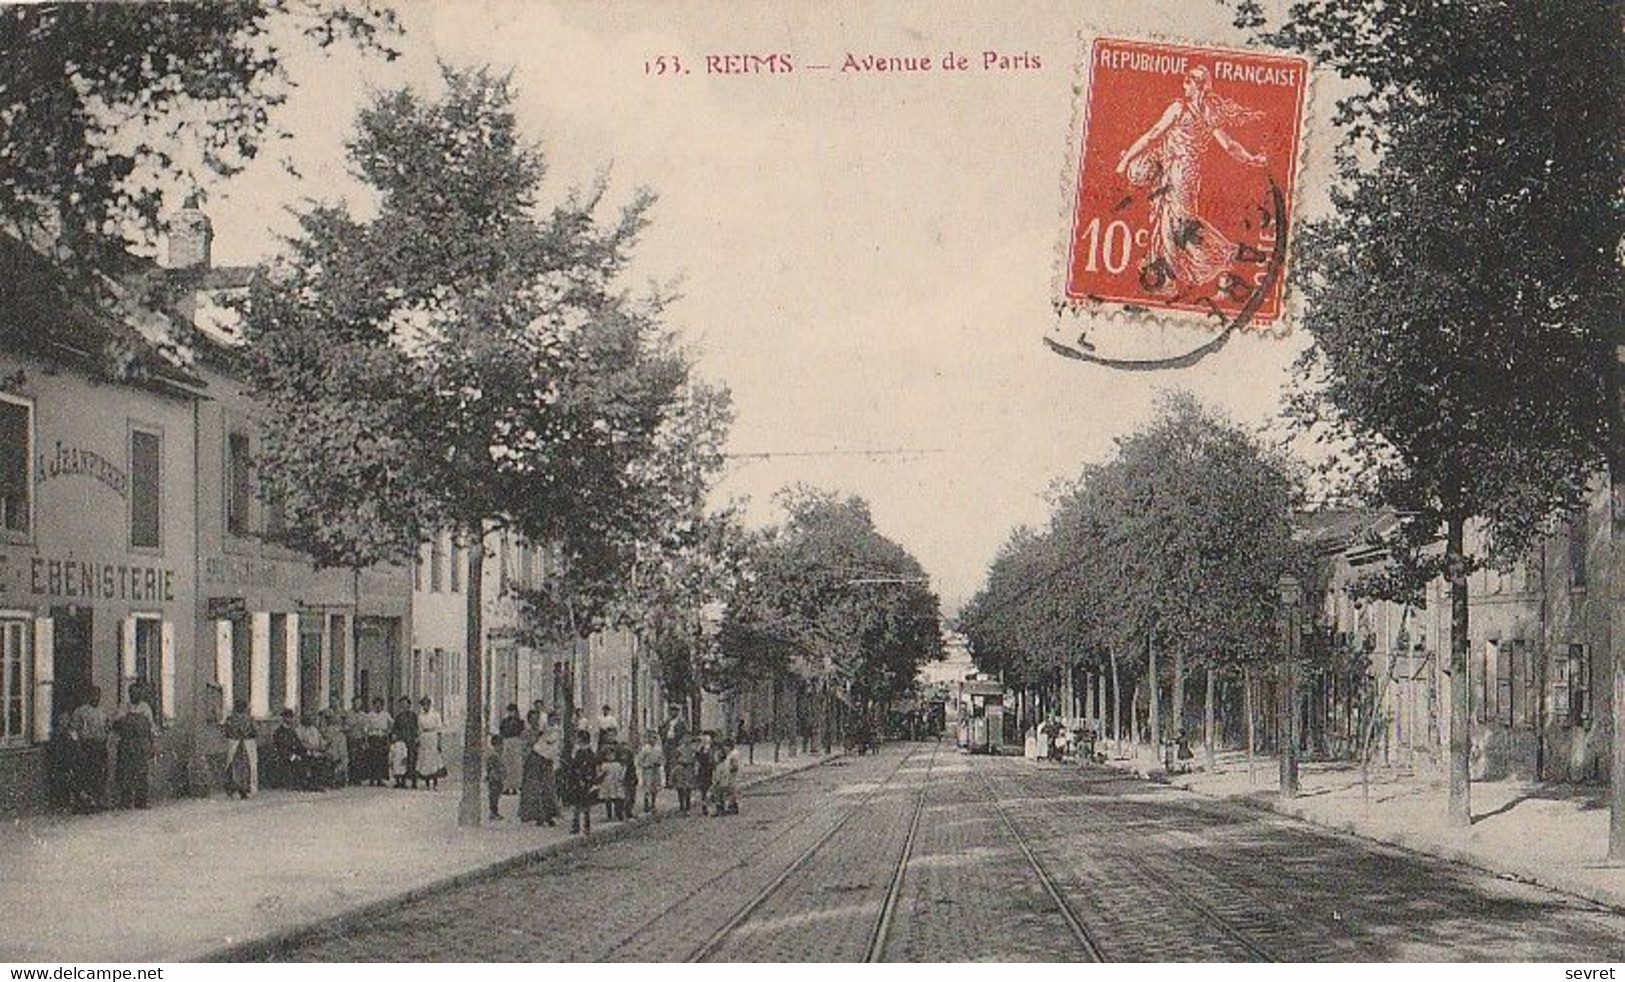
(725, 782)
(495, 777)
(512, 731)
(355, 734)
(242, 752)
(672, 736)
(684, 773)
(705, 769)
(431, 761)
(538, 788)
(336, 744)
(578, 783)
(375, 727)
(137, 746)
(629, 771)
(87, 737)
(650, 761)
(612, 783)
(405, 732)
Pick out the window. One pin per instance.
(16, 450)
(1483, 687)
(1571, 687)
(14, 695)
(146, 481)
(417, 572)
(239, 484)
(437, 557)
(523, 572)
(279, 662)
(1503, 683)
(1527, 697)
(149, 654)
(1579, 533)
(456, 565)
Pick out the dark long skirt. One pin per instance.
(538, 791)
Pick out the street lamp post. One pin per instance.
(1291, 599)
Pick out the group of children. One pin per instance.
(612, 775)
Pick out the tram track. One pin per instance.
(1170, 886)
(894, 893)
(743, 914)
(1080, 932)
(740, 863)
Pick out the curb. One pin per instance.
(264, 947)
(1601, 896)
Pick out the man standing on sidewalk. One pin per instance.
(406, 731)
(87, 736)
(672, 735)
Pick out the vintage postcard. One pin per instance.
(691, 481)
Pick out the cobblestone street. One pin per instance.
(919, 853)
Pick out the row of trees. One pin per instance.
(1159, 564)
(830, 602)
(1463, 294)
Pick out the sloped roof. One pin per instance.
(44, 310)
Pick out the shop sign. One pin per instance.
(44, 576)
(66, 461)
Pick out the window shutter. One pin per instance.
(223, 641)
(259, 686)
(44, 676)
(290, 651)
(166, 671)
(126, 653)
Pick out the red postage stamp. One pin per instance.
(1186, 163)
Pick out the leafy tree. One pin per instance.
(1175, 543)
(106, 103)
(461, 360)
(827, 593)
(1463, 295)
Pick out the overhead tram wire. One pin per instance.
(883, 452)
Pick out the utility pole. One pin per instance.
(1291, 598)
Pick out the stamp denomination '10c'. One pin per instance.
(1182, 153)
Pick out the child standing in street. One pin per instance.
(649, 761)
(705, 769)
(725, 782)
(495, 777)
(579, 785)
(612, 782)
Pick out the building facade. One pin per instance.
(1539, 654)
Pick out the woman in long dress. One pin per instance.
(431, 762)
(513, 731)
(242, 752)
(1185, 249)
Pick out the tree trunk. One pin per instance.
(1461, 737)
(634, 738)
(1153, 711)
(1117, 703)
(1207, 722)
(1616, 584)
(1134, 718)
(1177, 700)
(470, 804)
(1252, 731)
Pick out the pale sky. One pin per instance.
(866, 261)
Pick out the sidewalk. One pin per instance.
(184, 880)
(1554, 835)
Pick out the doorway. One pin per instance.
(71, 661)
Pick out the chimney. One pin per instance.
(190, 237)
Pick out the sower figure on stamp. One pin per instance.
(1186, 250)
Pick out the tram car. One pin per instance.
(981, 716)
